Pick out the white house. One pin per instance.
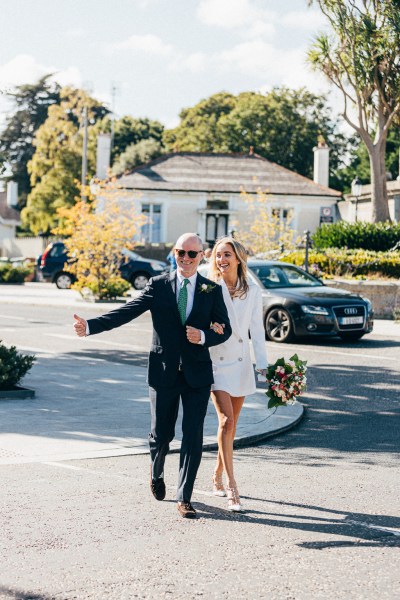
(188, 191)
(9, 220)
(359, 208)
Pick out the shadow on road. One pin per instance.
(364, 527)
(17, 594)
(349, 409)
(125, 357)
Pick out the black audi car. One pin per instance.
(296, 304)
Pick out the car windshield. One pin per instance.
(276, 276)
(130, 254)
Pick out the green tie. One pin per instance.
(182, 301)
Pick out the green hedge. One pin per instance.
(340, 262)
(12, 274)
(368, 236)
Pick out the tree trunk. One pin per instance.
(379, 195)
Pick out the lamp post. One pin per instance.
(356, 189)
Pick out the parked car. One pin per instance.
(296, 304)
(52, 264)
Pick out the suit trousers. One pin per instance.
(164, 403)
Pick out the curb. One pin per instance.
(251, 440)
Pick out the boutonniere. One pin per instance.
(206, 287)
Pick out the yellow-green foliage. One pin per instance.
(96, 232)
(263, 231)
(341, 262)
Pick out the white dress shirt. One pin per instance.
(191, 288)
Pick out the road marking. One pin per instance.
(112, 474)
(358, 355)
(385, 529)
(14, 318)
(102, 342)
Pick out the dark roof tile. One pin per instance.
(192, 171)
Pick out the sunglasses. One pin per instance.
(190, 253)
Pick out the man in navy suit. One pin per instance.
(183, 305)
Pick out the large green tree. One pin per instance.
(137, 154)
(55, 168)
(361, 57)
(30, 104)
(128, 131)
(282, 126)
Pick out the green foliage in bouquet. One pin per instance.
(13, 366)
(286, 381)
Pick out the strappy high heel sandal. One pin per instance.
(218, 486)
(234, 504)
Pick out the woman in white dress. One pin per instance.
(232, 366)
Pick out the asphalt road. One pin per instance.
(322, 501)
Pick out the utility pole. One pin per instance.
(114, 90)
(84, 153)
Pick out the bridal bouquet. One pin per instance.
(286, 381)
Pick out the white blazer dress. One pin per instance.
(232, 366)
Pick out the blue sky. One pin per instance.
(162, 55)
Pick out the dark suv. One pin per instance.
(53, 263)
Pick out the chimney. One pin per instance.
(321, 162)
(103, 155)
(12, 194)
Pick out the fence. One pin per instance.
(27, 247)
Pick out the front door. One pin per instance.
(216, 227)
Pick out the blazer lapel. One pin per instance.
(171, 283)
(233, 318)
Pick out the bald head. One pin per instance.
(193, 238)
(188, 242)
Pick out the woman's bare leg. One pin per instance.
(228, 410)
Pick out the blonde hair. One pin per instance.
(241, 255)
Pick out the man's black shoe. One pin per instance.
(186, 510)
(157, 487)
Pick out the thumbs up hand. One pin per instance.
(80, 326)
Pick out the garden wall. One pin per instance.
(384, 295)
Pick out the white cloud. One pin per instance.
(261, 61)
(225, 13)
(24, 68)
(195, 62)
(149, 44)
(304, 19)
(77, 32)
(243, 15)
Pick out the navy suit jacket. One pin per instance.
(170, 346)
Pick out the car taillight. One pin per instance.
(44, 256)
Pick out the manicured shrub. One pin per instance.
(11, 274)
(368, 236)
(13, 366)
(341, 262)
